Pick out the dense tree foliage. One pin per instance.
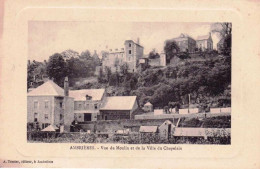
(67, 63)
(35, 72)
(85, 55)
(170, 49)
(56, 68)
(207, 81)
(153, 54)
(204, 81)
(67, 54)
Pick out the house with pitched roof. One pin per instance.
(185, 42)
(205, 42)
(148, 107)
(87, 103)
(49, 104)
(118, 107)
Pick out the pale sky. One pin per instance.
(46, 38)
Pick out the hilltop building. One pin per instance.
(205, 42)
(185, 42)
(156, 62)
(130, 54)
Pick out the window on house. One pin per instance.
(130, 51)
(44, 125)
(60, 104)
(96, 106)
(61, 116)
(35, 117)
(46, 117)
(80, 106)
(46, 104)
(35, 105)
(129, 44)
(87, 106)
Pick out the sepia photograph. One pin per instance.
(129, 82)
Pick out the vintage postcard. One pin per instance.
(93, 84)
(129, 87)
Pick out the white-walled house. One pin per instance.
(49, 104)
(87, 103)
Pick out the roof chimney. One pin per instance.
(137, 41)
(66, 86)
(88, 97)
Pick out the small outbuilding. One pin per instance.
(50, 128)
(166, 129)
(118, 108)
(148, 107)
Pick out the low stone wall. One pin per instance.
(171, 116)
(161, 116)
(114, 125)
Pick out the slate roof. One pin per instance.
(148, 104)
(80, 95)
(48, 88)
(134, 42)
(148, 129)
(119, 103)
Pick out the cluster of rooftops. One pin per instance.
(50, 88)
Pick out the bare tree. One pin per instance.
(222, 29)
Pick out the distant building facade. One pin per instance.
(133, 52)
(205, 42)
(114, 59)
(160, 61)
(185, 43)
(130, 54)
